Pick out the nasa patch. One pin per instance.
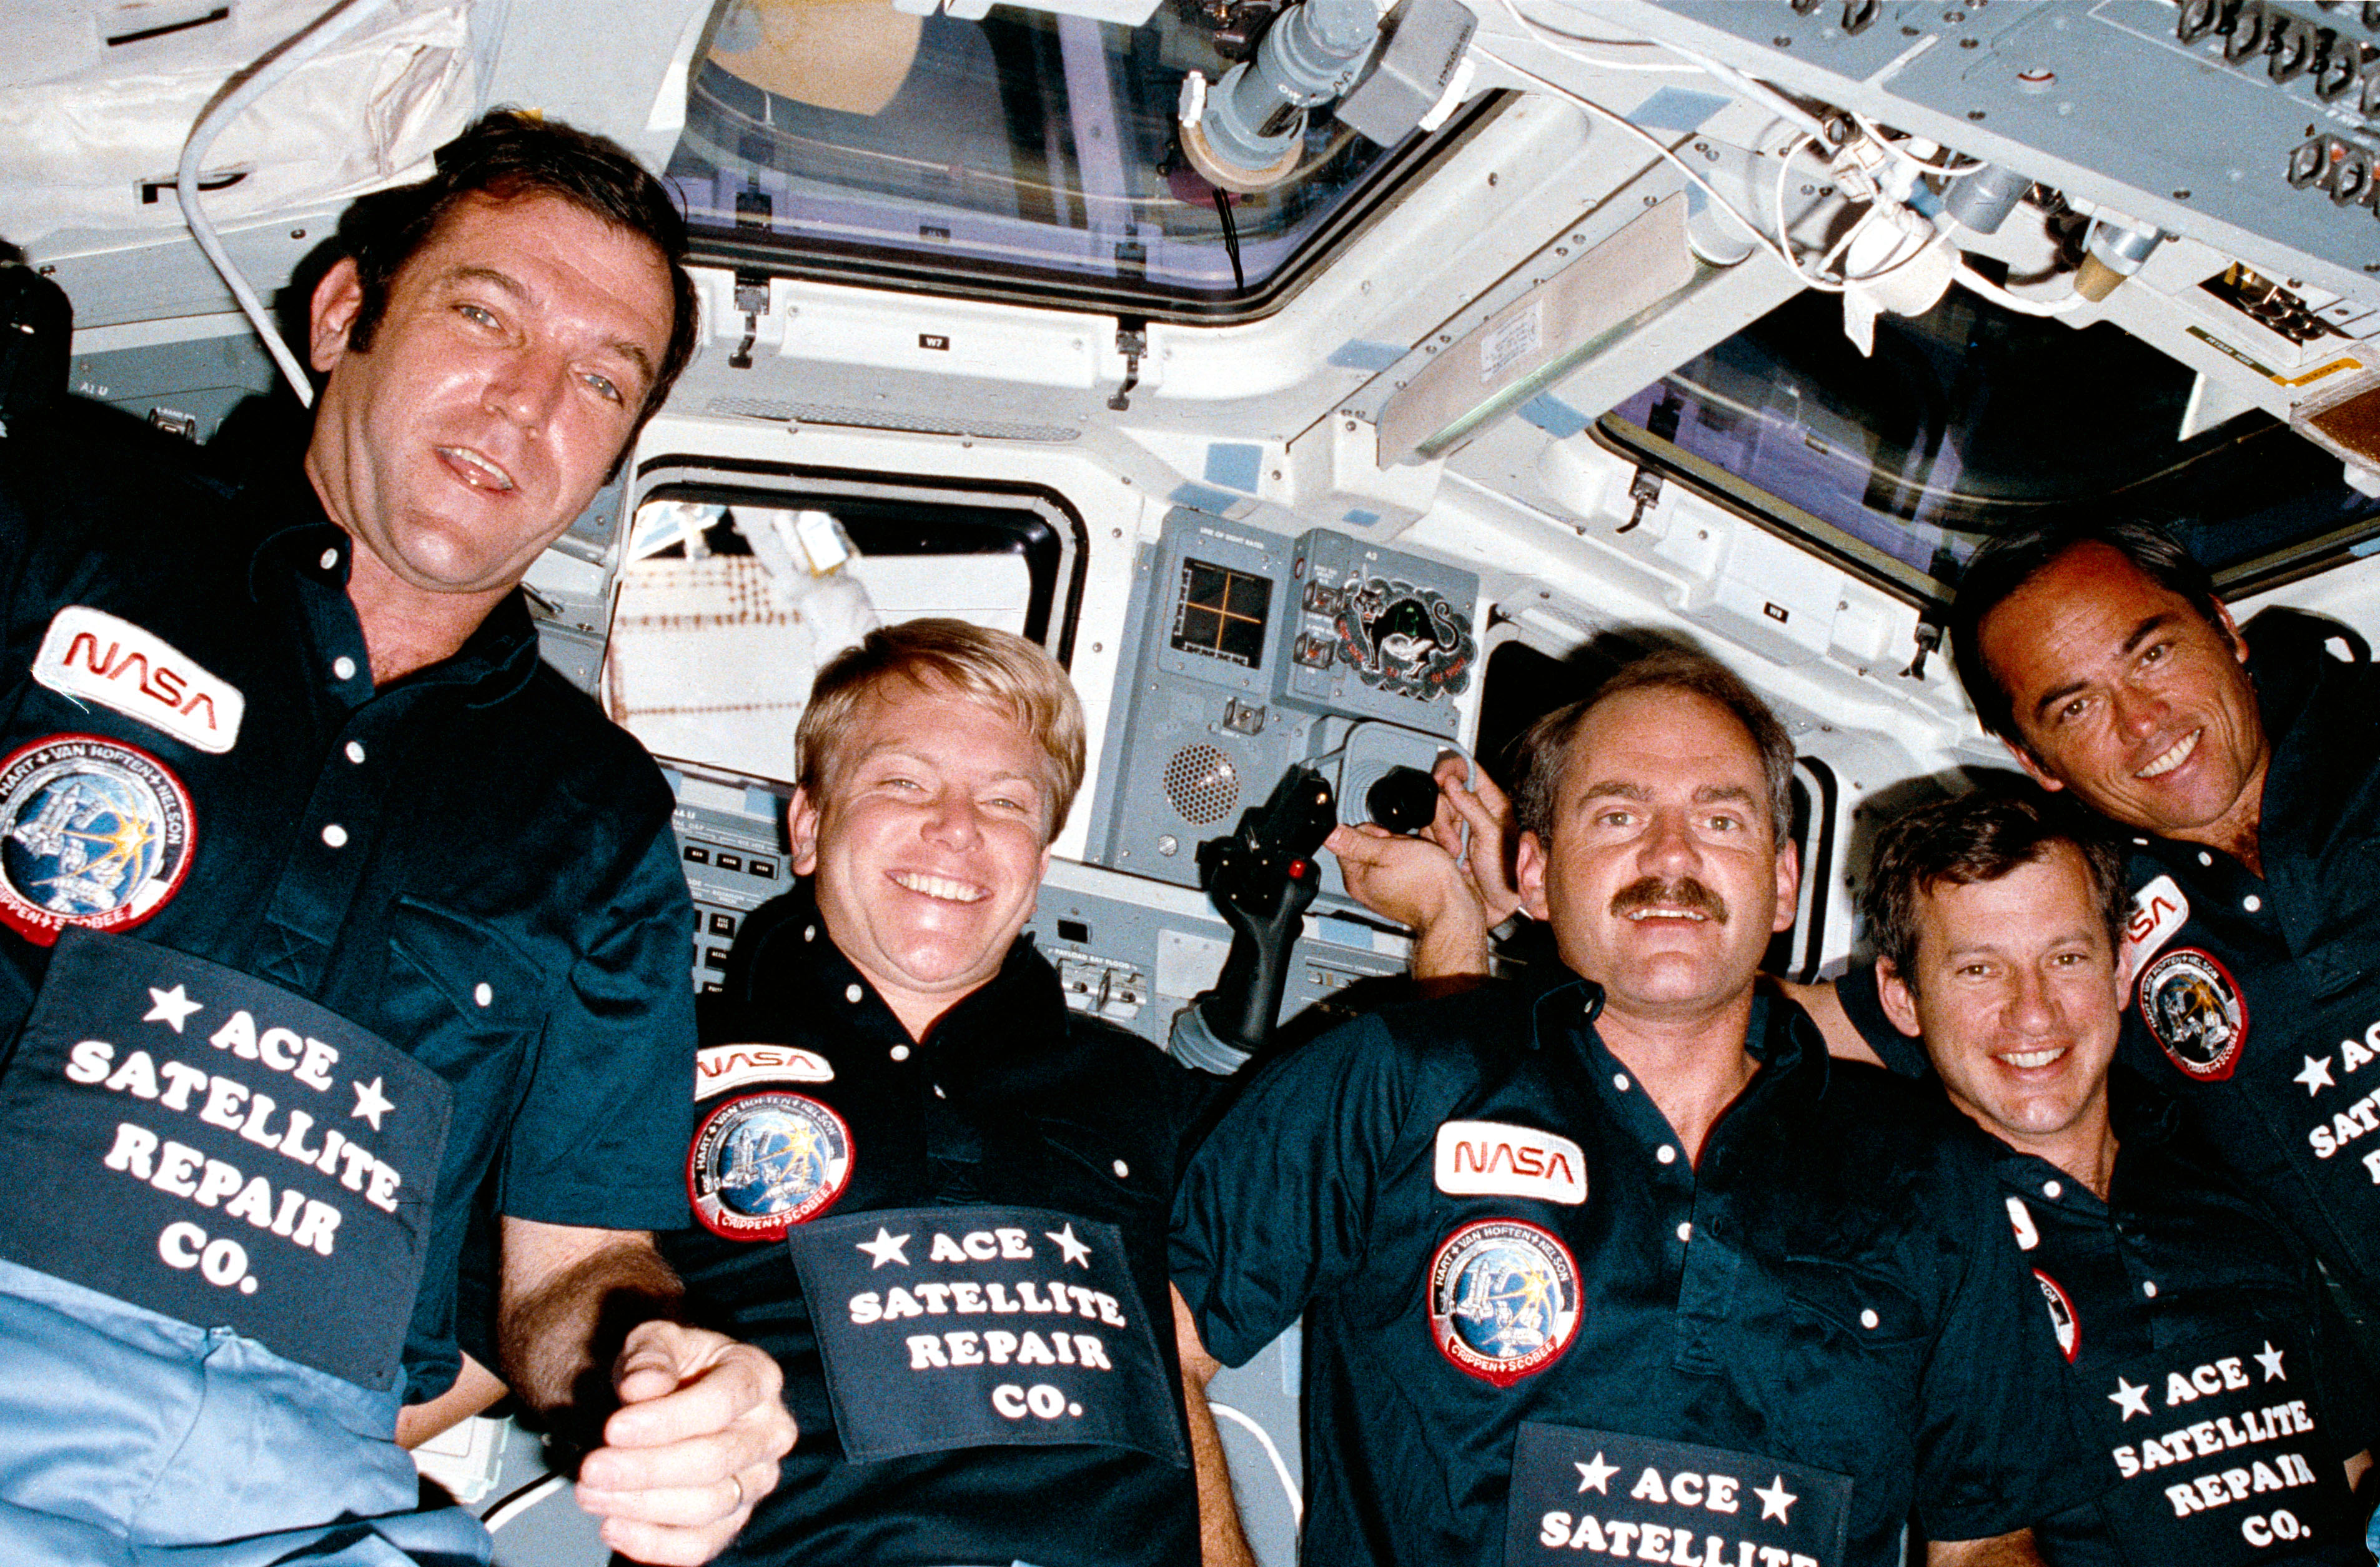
(765, 1163)
(2158, 912)
(1498, 1158)
(2062, 1320)
(1503, 1300)
(92, 654)
(2195, 1011)
(717, 1068)
(92, 833)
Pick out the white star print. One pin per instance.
(1077, 1252)
(172, 1007)
(2271, 1361)
(885, 1247)
(1595, 1476)
(2316, 1076)
(1774, 1500)
(371, 1103)
(2131, 1400)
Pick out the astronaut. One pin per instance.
(398, 921)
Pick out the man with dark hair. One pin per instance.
(935, 1194)
(2176, 1298)
(2246, 766)
(1629, 1266)
(330, 909)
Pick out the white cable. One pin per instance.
(1968, 277)
(1784, 238)
(1939, 170)
(267, 74)
(1650, 140)
(1784, 107)
(1562, 43)
(1288, 1481)
(521, 1501)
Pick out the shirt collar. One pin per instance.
(1779, 1036)
(499, 656)
(1019, 997)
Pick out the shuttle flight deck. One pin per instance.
(1322, 386)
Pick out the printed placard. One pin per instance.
(197, 1142)
(968, 1326)
(1578, 1492)
(2216, 1455)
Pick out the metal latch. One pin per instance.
(752, 298)
(1132, 342)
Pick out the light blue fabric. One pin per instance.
(129, 1439)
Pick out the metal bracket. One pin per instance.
(1929, 640)
(752, 298)
(1645, 490)
(1132, 342)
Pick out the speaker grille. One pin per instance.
(1202, 783)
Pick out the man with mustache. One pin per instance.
(1629, 1265)
(2232, 1414)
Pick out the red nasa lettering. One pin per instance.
(163, 684)
(1522, 1158)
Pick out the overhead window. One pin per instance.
(1970, 420)
(1020, 155)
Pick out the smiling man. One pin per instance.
(2176, 1298)
(932, 1190)
(1630, 1266)
(2245, 763)
(332, 912)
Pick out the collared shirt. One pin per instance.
(1832, 1291)
(2148, 1294)
(2202, 1345)
(2257, 998)
(471, 862)
(1010, 1100)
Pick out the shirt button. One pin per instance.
(2148, 1288)
(938, 1092)
(851, 992)
(1685, 1233)
(2252, 902)
(2205, 858)
(809, 932)
(2144, 843)
(336, 835)
(1619, 1081)
(483, 992)
(1666, 1154)
(900, 1052)
(354, 751)
(330, 559)
(344, 667)
(1122, 1169)
(2052, 1188)
(1869, 1318)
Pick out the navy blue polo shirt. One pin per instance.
(2256, 999)
(2206, 1357)
(471, 863)
(2203, 1346)
(966, 1193)
(1532, 1328)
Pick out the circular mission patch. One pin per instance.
(2196, 1013)
(1503, 1299)
(92, 833)
(762, 1163)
